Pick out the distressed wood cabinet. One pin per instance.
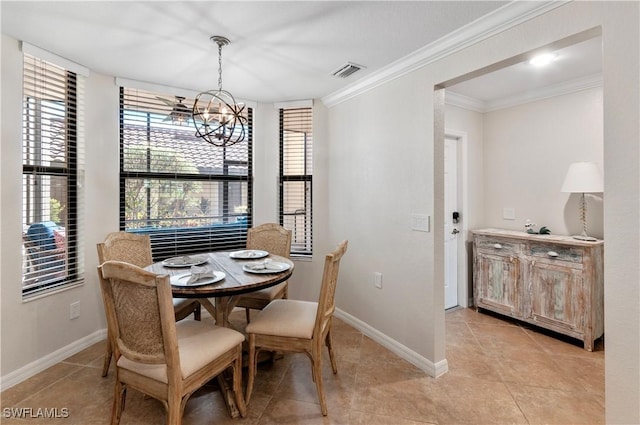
(555, 282)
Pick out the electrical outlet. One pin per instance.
(377, 280)
(74, 310)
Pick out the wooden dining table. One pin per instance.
(237, 281)
(225, 292)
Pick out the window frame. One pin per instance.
(44, 268)
(230, 235)
(306, 177)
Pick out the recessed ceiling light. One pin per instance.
(543, 59)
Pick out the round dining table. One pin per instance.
(225, 292)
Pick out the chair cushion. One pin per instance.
(291, 318)
(179, 303)
(266, 294)
(198, 344)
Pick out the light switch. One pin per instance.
(420, 222)
(509, 213)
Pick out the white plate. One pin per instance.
(249, 254)
(274, 267)
(185, 261)
(182, 279)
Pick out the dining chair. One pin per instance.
(299, 326)
(136, 249)
(274, 239)
(156, 355)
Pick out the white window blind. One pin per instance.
(52, 161)
(188, 195)
(296, 172)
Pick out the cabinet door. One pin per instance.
(557, 296)
(497, 279)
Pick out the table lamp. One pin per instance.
(583, 177)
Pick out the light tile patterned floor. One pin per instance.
(500, 372)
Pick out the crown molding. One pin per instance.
(565, 87)
(464, 102)
(501, 19)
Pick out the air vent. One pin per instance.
(345, 70)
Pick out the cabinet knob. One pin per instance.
(497, 246)
(552, 254)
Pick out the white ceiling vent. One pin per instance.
(345, 70)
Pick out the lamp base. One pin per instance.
(584, 238)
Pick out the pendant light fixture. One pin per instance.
(218, 119)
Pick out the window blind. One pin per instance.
(52, 161)
(187, 195)
(296, 172)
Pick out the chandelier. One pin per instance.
(218, 119)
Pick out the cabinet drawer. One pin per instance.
(498, 246)
(556, 252)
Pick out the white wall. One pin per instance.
(34, 332)
(527, 151)
(382, 171)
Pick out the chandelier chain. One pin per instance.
(219, 66)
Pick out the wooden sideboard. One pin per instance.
(555, 282)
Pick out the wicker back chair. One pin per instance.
(274, 239)
(299, 326)
(136, 249)
(156, 355)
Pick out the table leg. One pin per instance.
(208, 306)
(224, 306)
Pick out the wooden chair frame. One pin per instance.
(136, 249)
(275, 239)
(156, 342)
(321, 335)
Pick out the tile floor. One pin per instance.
(500, 372)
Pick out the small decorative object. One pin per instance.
(530, 229)
(529, 226)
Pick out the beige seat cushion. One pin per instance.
(289, 318)
(266, 294)
(198, 343)
(179, 303)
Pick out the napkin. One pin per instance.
(199, 273)
(265, 265)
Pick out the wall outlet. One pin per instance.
(377, 280)
(74, 310)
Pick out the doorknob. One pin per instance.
(455, 231)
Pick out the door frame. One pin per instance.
(464, 278)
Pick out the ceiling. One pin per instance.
(279, 51)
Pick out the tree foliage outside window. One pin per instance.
(188, 195)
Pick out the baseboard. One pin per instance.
(432, 369)
(29, 370)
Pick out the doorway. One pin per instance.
(455, 292)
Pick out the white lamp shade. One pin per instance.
(583, 177)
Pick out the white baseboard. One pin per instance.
(432, 369)
(29, 370)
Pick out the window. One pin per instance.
(188, 195)
(51, 173)
(296, 143)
